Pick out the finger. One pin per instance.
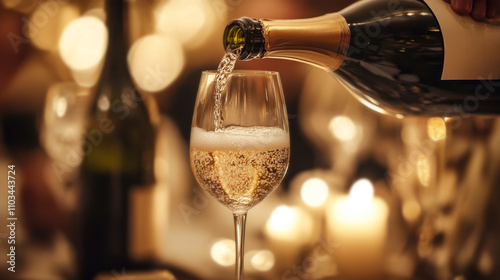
(479, 10)
(492, 8)
(462, 7)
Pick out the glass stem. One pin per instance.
(239, 236)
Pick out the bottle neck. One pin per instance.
(322, 41)
(115, 83)
(246, 34)
(115, 65)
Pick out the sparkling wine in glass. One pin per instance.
(245, 159)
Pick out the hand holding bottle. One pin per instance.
(477, 9)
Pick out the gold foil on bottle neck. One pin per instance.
(322, 41)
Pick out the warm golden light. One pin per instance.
(436, 129)
(98, 13)
(423, 170)
(47, 23)
(83, 43)
(155, 61)
(136, 275)
(23, 6)
(262, 260)
(290, 224)
(103, 103)
(189, 22)
(148, 220)
(411, 210)
(358, 224)
(343, 128)
(65, 102)
(60, 106)
(314, 192)
(222, 252)
(282, 219)
(361, 195)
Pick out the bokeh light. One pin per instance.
(103, 103)
(282, 219)
(222, 252)
(83, 43)
(60, 106)
(23, 6)
(261, 260)
(314, 192)
(436, 129)
(343, 128)
(189, 22)
(292, 225)
(411, 210)
(47, 23)
(423, 170)
(155, 61)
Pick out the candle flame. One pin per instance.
(361, 194)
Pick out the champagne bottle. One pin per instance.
(400, 57)
(118, 158)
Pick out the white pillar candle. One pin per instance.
(358, 225)
(288, 231)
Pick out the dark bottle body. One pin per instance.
(118, 157)
(396, 58)
(390, 55)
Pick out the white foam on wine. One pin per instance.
(240, 138)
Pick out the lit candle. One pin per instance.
(288, 231)
(358, 225)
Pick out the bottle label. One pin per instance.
(292, 39)
(471, 48)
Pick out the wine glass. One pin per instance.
(62, 127)
(243, 161)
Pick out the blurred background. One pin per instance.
(431, 184)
